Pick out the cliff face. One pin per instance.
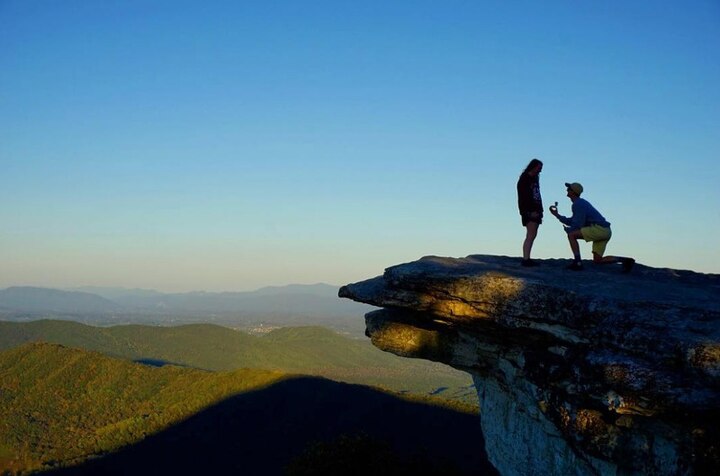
(592, 372)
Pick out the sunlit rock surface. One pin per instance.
(592, 372)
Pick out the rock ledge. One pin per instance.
(591, 372)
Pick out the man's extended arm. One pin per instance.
(576, 221)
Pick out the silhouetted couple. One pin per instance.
(586, 222)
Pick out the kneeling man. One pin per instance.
(587, 223)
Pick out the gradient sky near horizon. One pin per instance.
(229, 145)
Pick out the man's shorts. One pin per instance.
(599, 235)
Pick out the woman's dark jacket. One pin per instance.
(529, 199)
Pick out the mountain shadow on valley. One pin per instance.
(296, 425)
(155, 362)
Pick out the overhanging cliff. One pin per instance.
(591, 372)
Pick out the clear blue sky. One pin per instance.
(228, 145)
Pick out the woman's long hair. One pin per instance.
(533, 163)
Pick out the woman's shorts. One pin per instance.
(599, 235)
(525, 218)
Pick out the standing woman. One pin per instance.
(530, 205)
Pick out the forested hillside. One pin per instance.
(306, 350)
(59, 404)
(63, 407)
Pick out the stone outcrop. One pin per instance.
(591, 372)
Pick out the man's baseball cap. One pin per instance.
(575, 187)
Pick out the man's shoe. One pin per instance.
(627, 264)
(575, 266)
(529, 263)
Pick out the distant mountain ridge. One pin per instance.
(293, 305)
(112, 293)
(34, 299)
